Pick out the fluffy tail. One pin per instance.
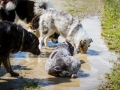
(42, 4)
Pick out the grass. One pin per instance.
(111, 33)
(30, 85)
(83, 8)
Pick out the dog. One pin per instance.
(61, 62)
(14, 38)
(25, 10)
(34, 28)
(52, 20)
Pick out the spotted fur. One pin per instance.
(61, 62)
(52, 20)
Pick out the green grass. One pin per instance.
(111, 33)
(30, 85)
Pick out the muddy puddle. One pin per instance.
(31, 68)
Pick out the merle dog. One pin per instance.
(14, 38)
(69, 27)
(62, 63)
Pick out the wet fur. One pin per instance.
(70, 28)
(61, 61)
(14, 38)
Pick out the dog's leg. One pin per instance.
(41, 39)
(46, 41)
(47, 37)
(7, 65)
(0, 61)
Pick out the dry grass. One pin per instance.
(84, 8)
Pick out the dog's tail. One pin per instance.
(42, 4)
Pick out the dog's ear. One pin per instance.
(71, 48)
(90, 40)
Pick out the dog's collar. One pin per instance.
(21, 46)
(37, 15)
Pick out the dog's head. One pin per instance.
(30, 43)
(59, 67)
(67, 46)
(54, 37)
(71, 48)
(84, 44)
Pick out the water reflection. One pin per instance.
(82, 74)
(93, 52)
(45, 54)
(20, 55)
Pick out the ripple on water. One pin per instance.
(93, 52)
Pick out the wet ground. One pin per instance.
(98, 61)
(31, 68)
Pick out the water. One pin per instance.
(98, 61)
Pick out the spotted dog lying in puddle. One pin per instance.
(14, 38)
(62, 63)
(52, 20)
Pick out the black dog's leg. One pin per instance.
(0, 63)
(7, 65)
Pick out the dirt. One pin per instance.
(32, 68)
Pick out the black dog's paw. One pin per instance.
(14, 74)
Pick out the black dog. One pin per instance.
(26, 10)
(14, 38)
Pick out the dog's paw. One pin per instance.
(14, 74)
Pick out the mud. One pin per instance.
(31, 68)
